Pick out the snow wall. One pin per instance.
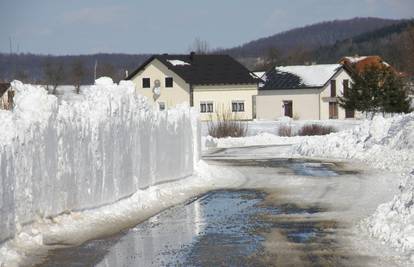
(57, 156)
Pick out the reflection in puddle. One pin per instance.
(226, 227)
(290, 166)
(313, 169)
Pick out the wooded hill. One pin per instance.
(325, 42)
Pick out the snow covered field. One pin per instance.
(382, 143)
(57, 157)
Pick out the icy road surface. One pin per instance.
(289, 212)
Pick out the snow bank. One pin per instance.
(80, 155)
(386, 143)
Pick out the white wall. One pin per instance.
(87, 153)
(171, 96)
(339, 77)
(269, 103)
(222, 97)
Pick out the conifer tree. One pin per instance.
(376, 89)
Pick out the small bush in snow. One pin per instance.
(285, 130)
(226, 125)
(315, 129)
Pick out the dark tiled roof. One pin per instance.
(204, 69)
(294, 77)
(277, 80)
(3, 88)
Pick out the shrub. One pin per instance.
(315, 129)
(285, 130)
(226, 125)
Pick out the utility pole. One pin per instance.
(96, 66)
(11, 47)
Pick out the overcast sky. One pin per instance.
(135, 26)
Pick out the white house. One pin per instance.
(6, 96)
(211, 83)
(307, 92)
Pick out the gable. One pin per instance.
(158, 70)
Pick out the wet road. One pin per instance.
(282, 216)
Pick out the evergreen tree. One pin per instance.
(394, 94)
(376, 89)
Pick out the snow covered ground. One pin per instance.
(383, 143)
(258, 127)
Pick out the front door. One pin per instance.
(333, 110)
(288, 107)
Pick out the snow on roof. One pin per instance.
(176, 62)
(353, 60)
(259, 73)
(312, 75)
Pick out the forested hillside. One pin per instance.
(310, 37)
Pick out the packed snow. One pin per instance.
(312, 75)
(70, 156)
(176, 62)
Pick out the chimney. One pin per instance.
(192, 54)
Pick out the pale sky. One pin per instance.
(134, 26)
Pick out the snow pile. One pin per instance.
(312, 75)
(84, 154)
(386, 144)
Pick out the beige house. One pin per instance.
(6, 96)
(304, 92)
(211, 83)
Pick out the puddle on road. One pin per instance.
(226, 227)
(291, 166)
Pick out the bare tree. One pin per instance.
(200, 47)
(106, 69)
(54, 74)
(77, 74)
(21, 75)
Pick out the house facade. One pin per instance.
(6, 96)
(307, 92)
(211, 83)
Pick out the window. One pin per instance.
(146, 83)
(169, 82)
(237, 106)
(206, 107)
(161, 105)
(346, 86)
(333, 88)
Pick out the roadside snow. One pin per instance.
(60, 156)
(73, 228)
(383, 143)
